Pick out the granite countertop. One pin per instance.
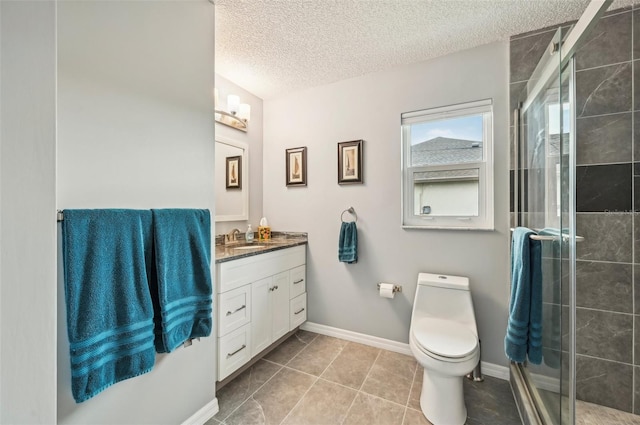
(241, 249)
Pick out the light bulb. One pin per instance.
(233, 102)
(244, 112)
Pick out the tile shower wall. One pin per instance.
(607, 202)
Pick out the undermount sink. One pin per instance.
(248, 247)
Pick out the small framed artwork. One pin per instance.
(234, 172)
(350, 162)
(296, 160)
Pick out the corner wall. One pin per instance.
(27, 222)
(369, 107)
(136, 130)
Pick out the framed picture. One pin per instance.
(296, 160)
(350, 162)
(234, 172)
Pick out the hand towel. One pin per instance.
(348, 243)
(524, 335)
(552, 298)
(534, 347)
(109, 308)
(182, 246)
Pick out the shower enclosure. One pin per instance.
(546, 196)
(544, 199)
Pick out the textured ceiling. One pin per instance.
(272, 47)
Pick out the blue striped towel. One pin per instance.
(182, 240)
(524, 329)
(106, 255)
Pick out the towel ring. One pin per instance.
(351, 211)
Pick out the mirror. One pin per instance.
(232, 180)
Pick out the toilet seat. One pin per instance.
(444, 339)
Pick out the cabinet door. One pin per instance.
(280, 305)
(261, 314)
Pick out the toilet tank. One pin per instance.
(444, 297)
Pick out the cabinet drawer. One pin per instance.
(298, 311)
(234, 350)
(234, 309)
(298, 281)
(236, 273)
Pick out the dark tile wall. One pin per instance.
(607, 202)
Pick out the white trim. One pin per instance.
(470, 108)
(373, 341)
(495, 370)
(207, 412)
(489, 369)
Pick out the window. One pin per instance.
(447, 167)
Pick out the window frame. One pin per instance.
(485, 218)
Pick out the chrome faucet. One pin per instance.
(232, 236)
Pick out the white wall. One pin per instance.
(369, 108)
(136, 130)
(27, 222)
(253, 139)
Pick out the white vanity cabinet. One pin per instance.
(259, 300)
(270, 311)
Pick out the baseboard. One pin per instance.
(373, 341)
(489, 369)
(495, 370)
(207, 412)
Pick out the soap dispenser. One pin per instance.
(249, 235)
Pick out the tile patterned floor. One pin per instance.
(316, 379)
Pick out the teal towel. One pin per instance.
(524, 330)
(348, 243)
(109, 309)
(551, 311)
(183, 291)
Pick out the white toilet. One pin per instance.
(444, 340)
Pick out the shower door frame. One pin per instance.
(553, 69)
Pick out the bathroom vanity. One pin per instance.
(260, 297)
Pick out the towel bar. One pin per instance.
(351, 211)
(60, 216)
(552, 238)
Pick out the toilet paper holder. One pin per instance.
(396, 288)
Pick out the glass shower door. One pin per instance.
(546, 192)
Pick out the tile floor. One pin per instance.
(316, 379)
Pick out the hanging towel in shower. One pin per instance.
(525, 307)
(106, 260)
(348, 243)
(551, 291)
(182, 290)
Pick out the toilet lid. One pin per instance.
(445, 338)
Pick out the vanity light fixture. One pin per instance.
(237, 114)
